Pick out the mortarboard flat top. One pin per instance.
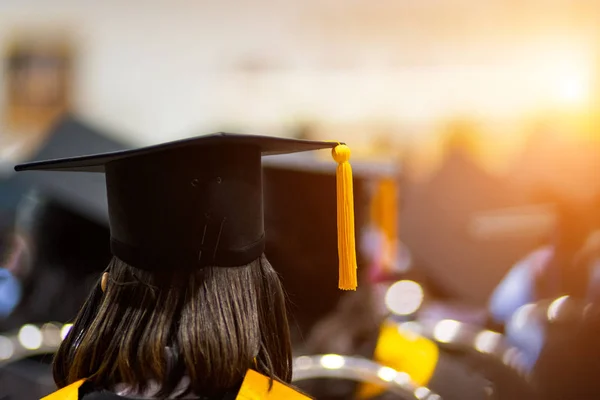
(190, 203)
(267, 145)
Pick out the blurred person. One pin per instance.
(189, 306)
(38, 89)
(40, 264)
(564, 275)
(549, 271)
(588, 259)
(16, 261)
(12, 267)
(559, 335)
(45, 275)
(560, 170)
(562, 333)
(37, 94)
(436, 219)
(45, 266)
(462, 137)
(564, 269)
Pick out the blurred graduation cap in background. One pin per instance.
(64, 206)
(85, 194)
(300, 223)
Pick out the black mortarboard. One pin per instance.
(84, 194)
(198, 202)
(300, 222)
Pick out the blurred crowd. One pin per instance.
(444, 261)
(479, 248)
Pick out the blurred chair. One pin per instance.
(320, 375)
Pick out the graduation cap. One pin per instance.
(300, 221)
(198, 202)
(85, 194)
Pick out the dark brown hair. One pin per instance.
(217, 322)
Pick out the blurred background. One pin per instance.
(475, 130)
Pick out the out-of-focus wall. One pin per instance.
(155, 70)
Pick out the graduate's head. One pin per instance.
(189, 277)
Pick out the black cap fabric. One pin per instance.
(190, 203)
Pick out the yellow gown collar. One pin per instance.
(254, 387)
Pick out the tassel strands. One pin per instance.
(345, 219)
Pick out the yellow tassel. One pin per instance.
(384, 214)
(345, 218)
